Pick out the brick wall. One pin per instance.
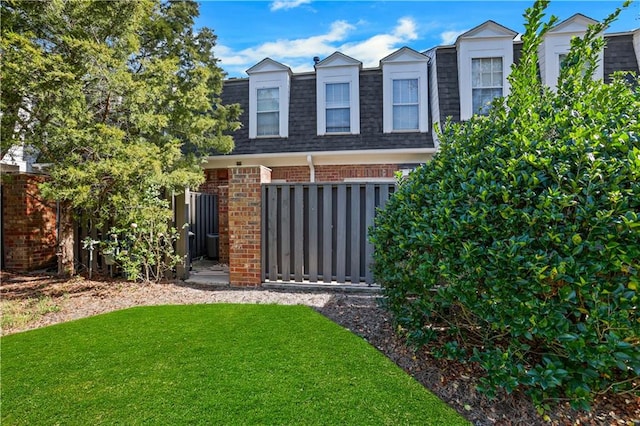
(291, 173)
(245, 219)
(333, 173)
(364, 171)
(28, 224)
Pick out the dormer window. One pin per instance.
(561, 58)
(268, 112)
(338, 91)
(556, 44)
(405, 104)
(404, 91)
(338, 108)
(486, 82)
(269, 83)
(485, 56)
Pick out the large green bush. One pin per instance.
(518, 246)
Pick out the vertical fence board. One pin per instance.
(341, 234)
(273, 232)
(285, 235)
(298, 233)
(355, 234)
(313, 233)
(327, 233)
(370, 211)
(384, 195)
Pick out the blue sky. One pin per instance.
(294, 31)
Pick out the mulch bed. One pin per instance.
(452, 381)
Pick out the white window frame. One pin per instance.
(466, 76)
(270, 135)
(327, 108)
(338, 74)
(387, 95)
(405, 64)
(415, 104)
(487, 41)
(269, 74)
(475, 109)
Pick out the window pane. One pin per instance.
(485, 81)
(482, 98)
(337, 95)
(268, 99)
(405, 117)
(405, 91)
(486, 72)
(561, 58)
(268, 124)
(338, 120)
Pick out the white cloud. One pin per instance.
(287, 4)
(371, 50)
(298, 53)
(449, 37)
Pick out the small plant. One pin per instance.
(144, 248)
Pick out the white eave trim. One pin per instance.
(321, 158)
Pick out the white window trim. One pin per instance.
(501, 87)
(279, 80)
(392, 72)
(554, 46)
(268, 112)
(475, 49)
(338, 75)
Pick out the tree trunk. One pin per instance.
(66, 266)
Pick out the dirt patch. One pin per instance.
(451, 381)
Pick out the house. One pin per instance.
(343, 122)
(346, 123)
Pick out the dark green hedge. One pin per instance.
(518, 246)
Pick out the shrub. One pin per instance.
(142, 242)
(518, 246)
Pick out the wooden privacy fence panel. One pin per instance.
(318, 232)
(203, 221)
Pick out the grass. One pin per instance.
(207, 364)
(16, 313)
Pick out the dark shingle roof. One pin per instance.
(302, 120)
(619, 55)
(448, 88)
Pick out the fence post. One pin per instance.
(182, 245)
(245, 224)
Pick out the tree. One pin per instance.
(120, 97)
(518, 246)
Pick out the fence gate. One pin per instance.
(203, 225)
(318, 232)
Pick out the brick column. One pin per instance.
(29, 224)
(245, 224)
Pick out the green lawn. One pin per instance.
(207, 364)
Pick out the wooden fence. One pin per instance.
(318, 232)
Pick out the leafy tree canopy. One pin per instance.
(120, 97)
(115, 95)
